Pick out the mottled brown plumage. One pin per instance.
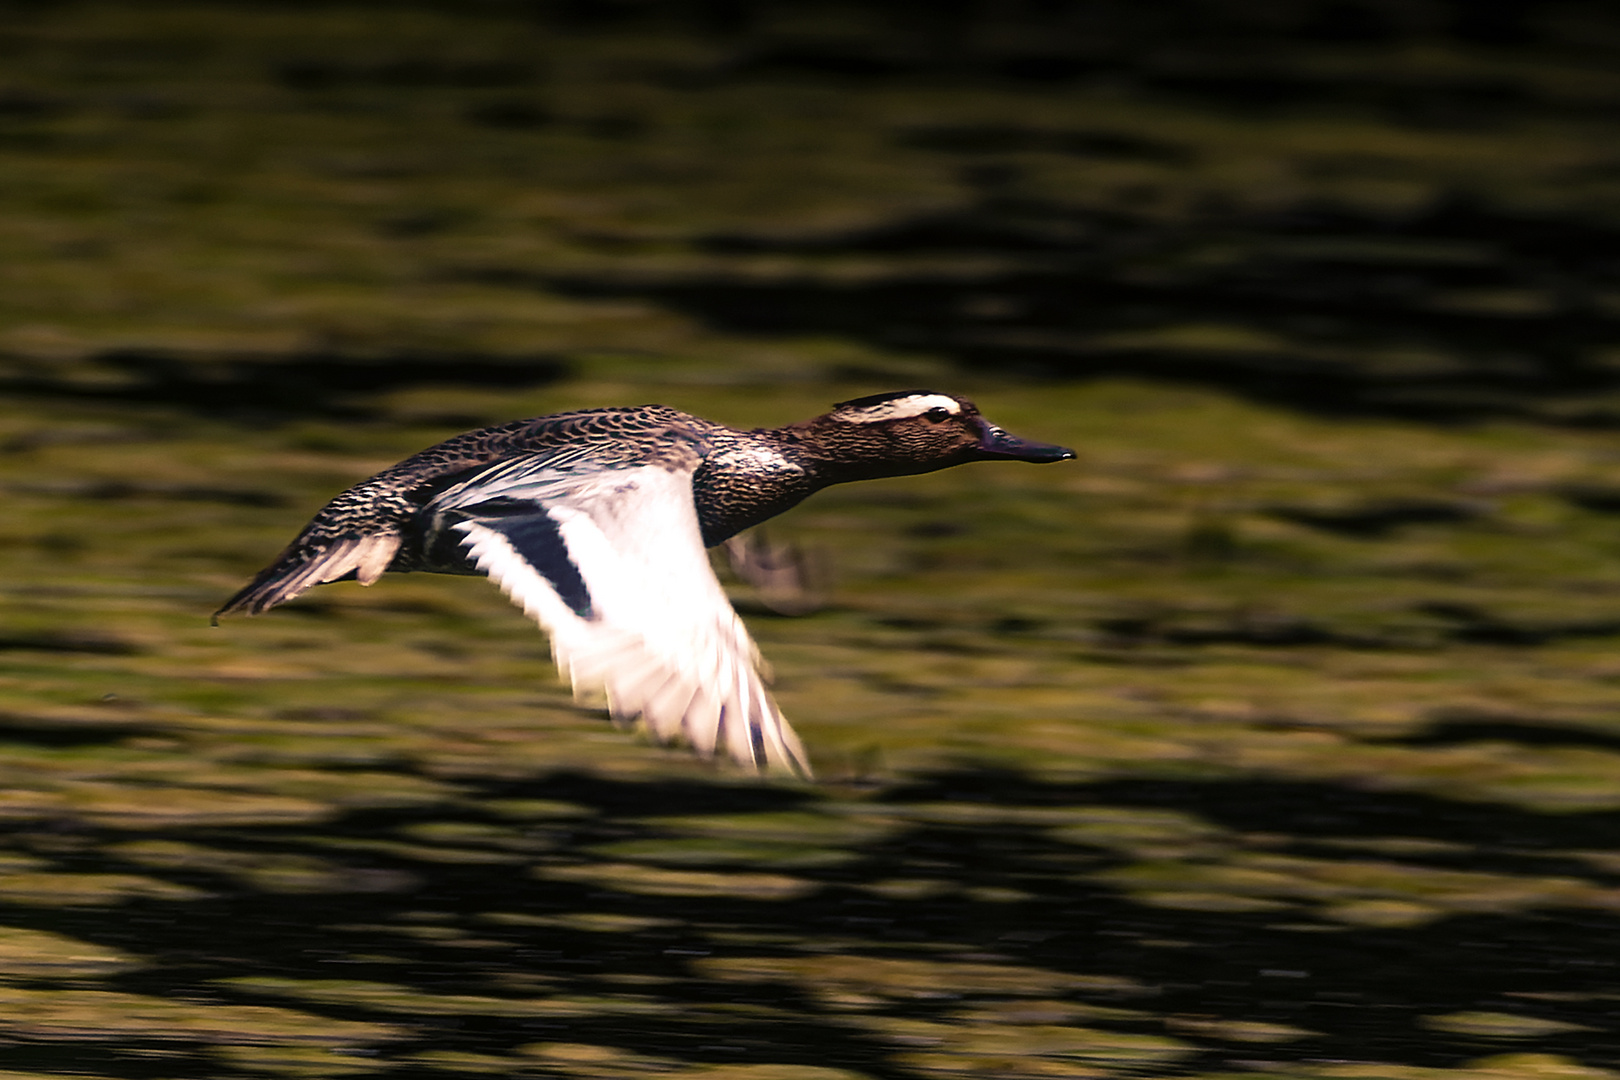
(565, 511)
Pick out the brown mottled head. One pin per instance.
(917, 431)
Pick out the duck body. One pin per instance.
(595, 521)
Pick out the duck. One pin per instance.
(595, 522)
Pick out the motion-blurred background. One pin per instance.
(1277, 736)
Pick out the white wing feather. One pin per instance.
(660, 638)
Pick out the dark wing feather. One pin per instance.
(535, 536)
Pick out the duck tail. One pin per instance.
(309, 562)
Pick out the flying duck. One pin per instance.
(595, 523)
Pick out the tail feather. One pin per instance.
(302, 566)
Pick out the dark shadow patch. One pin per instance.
(1464, 730)
(1603, 500)
(928, 234)
(1007, 139)
(515, 113)
(447, 924)
(54, 731)
(1348, 22)
(1379, 518)
(1473, 624)
(1046, 67)
(19, 103)
(817, 61)
(1296, 807)
(423, 222)
(280, 387)
(409, 72)
(1246, 87)
(127, 491)
(1349, 314)
(66, 641)
(1242, 627)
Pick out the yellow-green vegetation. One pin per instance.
(1278, 736)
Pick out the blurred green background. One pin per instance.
(1277, 736)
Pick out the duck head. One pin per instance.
(917, 431)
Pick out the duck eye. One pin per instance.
(938, 414)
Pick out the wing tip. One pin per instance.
(761, 743)
(790, 766)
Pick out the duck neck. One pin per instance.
(752, 476)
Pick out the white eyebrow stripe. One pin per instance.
(906, 407)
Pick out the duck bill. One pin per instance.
(996, 443)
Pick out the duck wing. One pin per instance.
(373, 526)
(609, 560)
